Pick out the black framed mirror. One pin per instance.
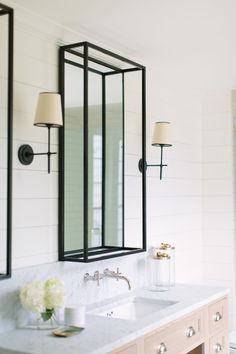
(6, 111)
(102, 194)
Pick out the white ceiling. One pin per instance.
(192, 42)
(146, 25)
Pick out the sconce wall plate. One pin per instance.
(25, 154)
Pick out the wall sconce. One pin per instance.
(161, 137)
(49, 115)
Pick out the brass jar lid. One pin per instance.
(166, 246)
(161, 256)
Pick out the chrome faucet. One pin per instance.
(97, 276)
(107, 273)
(117, 275)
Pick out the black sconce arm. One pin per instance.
(143, 164)
(26, 153)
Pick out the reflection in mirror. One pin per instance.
(6, 84)
(95, 165)
(73, 157)
(102, 193)
(113, 160)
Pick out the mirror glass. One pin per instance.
(73, 157)
(113, 159)
(95, 159)
(134, 208)
(102, 192)
(6, 60)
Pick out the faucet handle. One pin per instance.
(97, 277)
(118, 271)
(86, 276)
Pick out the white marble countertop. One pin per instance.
(103, 335)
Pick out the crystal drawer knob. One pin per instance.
(162, 349)
(218, 348)
(217, 316)
(190, 332)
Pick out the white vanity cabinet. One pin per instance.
(204, 331)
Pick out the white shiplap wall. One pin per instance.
(218, 191)
(174, 204)
(178, 208)
(35, 192)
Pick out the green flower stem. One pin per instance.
(48, 314)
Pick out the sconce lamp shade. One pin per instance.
(48, 111)
(161, 134)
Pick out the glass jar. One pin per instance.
(159, 271)
(170, 250)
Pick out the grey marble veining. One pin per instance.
(11, 313)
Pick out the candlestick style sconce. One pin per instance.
(161, 137)
(49, 115)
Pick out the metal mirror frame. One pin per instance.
(8, 11)
(87, 252)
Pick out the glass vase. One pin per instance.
(44, 320)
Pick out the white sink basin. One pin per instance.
(132, 308)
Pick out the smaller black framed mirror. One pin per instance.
(6, 114)
(102, 194)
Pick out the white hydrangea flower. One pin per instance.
(55, 294)
(32, 297)
(41, 296)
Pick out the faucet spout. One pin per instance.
(117, 275)
(127, 281)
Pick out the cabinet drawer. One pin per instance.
(219, 343)
(177, 337)
(218, 316)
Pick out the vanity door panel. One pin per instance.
(218, 316)
(219, 343)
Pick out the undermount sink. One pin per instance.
(132, 308)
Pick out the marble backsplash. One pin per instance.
(78, 291)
